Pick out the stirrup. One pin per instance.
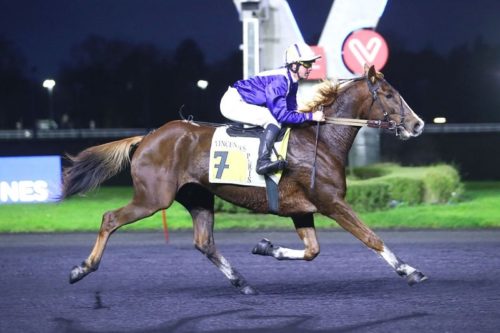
(271, 167)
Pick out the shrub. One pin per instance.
(442, 182)
(368, 196)
(406, 190)
(405, 185)
(376, 170)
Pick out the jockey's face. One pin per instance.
(304, 69)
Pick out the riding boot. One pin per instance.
(264, 163)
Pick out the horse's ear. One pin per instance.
(371, 74)
(366, 68)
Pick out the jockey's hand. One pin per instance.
(318, 116)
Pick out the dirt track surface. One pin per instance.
(145, 285)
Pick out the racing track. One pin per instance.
(144, 285)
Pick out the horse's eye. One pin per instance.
(388, 96)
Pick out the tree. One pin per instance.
(111, 82)
(15, 98)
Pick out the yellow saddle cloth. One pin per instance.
(233, 159)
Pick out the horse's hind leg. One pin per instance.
(304, 225)
(111, 221)
(199, 202)
(347, 219)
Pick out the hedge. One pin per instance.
(386, 185)
(405, 185)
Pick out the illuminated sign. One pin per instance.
(364, 47)
(318, 71)
(30, 179)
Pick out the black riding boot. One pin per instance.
(264, 163)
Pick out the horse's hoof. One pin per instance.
(264, 248)
(415, 277)
(247, 290)
(77, 273)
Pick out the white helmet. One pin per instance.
(299, 52)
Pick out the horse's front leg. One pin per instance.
(341, 212)
(304, 225)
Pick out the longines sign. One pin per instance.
(30, 179)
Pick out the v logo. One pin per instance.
(365, 53)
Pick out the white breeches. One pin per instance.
(234, 108)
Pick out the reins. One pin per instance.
(313, 173)
(390, 125)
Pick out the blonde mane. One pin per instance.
(326, 93)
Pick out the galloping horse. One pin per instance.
(171, 163)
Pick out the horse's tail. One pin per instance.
(96, 164)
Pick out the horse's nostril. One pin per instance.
(417, 129)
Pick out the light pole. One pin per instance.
(49, 84)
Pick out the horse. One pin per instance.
(171, 163)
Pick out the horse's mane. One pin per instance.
(326, 93)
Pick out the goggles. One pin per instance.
(306, 64)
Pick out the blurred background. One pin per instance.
(129, 66)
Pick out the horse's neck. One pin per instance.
(347, 105)
(339, 139)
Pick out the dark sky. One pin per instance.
(45, 30)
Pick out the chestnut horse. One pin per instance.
(171, 163)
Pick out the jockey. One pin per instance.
(269, 99)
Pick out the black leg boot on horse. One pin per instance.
(264, 163)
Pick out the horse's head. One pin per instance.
(389, 106)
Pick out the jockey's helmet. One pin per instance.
(299, 52)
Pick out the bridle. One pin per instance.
(384, 123)
(391, 124)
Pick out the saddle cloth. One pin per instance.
(233, 159)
